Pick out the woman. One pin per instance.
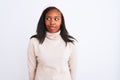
(51, 52)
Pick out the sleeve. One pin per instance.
(73, 62)
(31, 60)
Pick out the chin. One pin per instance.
(53, 31)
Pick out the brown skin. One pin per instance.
(53, 21)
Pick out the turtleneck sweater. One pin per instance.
(51, 60)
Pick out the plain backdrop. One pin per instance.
(94, 23)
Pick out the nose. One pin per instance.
(52, 22)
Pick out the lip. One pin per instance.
(52, 27)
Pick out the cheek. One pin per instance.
(46, 22)
(59, 24)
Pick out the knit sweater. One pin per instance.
(51, 60)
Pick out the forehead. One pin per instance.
(53, 12)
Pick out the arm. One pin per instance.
(31, 60)
(72, 62)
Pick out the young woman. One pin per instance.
(52, 52)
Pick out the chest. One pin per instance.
(53, 52)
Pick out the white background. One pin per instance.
(94, 23)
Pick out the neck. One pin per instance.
(55, 35)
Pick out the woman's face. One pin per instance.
(53, 20)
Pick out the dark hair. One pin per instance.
(41, 29)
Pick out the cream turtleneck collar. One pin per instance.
(53, 35)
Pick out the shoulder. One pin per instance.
(33, 41)
(72, 45)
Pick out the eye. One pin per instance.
(56, 19)
(47, 18)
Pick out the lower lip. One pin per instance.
(51, 27)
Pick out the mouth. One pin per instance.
(52, 27)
